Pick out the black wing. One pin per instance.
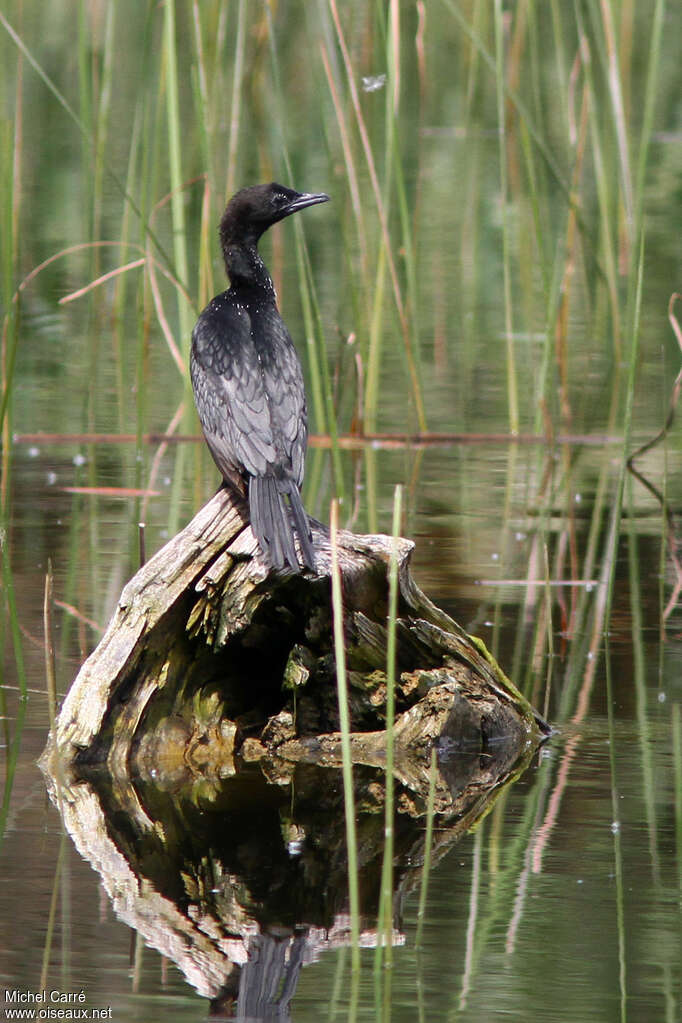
(283, 380)
(230, 392)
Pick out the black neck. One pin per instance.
(245, 267)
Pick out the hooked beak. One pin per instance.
(305, 199)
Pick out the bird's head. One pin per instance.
(253, 210)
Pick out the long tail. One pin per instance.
(273, 503)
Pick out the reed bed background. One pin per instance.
(497, 261)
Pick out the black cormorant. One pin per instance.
(247, 380)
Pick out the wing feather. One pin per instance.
(230, 391)
(285, 388)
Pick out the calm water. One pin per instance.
(565, 903)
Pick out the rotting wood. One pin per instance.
(209, 653)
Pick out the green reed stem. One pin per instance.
(512, 387)
(52, 912)
(639, 673)
(121, 299)
(376, 326)
(5, 725)
(175, 158)
(236, 104)
(337, 988)
(653, 65)
(617, 845)
(603, 174)
(200, 87)
(344, 720)
(84, 54)
(179, 238)
(395, 175)
(560, 58)
(101, 125)
(550, 633)
(385, 923)
(469, 964)
(48, 636)
(11, 605)
(428, 842)
(371, 488)
(9, 335)
(11, 760)
(615, 87)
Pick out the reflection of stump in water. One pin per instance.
(240, 882)
(209, 655)
(192, 760)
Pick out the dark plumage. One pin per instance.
(247, 380)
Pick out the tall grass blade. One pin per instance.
(175, 158)
(617, 843)
(9, 335)
(101, 124)
(469, 965)
(200, 85)
(236, 104)
(639, 665)
(428, 841)
(650, 88)
(344, 718)
(384, 954)
(48, 632)
(11, 761)
(613, 69)
(52, 912)
(604, 183)
(512, 386)
(395, 174)
(11, 607)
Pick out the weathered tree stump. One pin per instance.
(211, 656)
(211, 705)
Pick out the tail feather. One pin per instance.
(271, 520)
(305, 536)
(259, 512)
(264, 512)
(284, 528)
